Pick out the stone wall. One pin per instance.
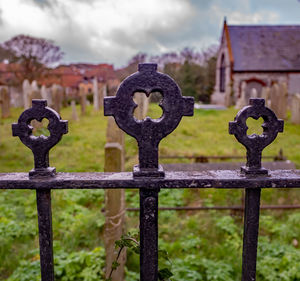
(220, 97)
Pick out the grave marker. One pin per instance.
(74, 112)
(82, 100)
(242, 101)
(5, 102)
(96, 94)
(26, 93)
(295, 109)
(56, 98)
(114, 200)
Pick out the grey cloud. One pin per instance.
(1, 20)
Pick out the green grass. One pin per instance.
(82, 149)
(202, 245)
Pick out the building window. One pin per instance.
(222, 75)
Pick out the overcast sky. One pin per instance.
(112, 31)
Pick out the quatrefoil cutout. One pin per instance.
(142, 108)
(40, 128)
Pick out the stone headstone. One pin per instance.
(253, 93)
(242, 101)
(275, 98)
(26, 93)
(5, 102)
(295, 109)
(96, 94)
(142, 102)
(279, 100)
(74, 112)
(56, 97)
(102, 94)
(44, 92)
(46, 95)
(16, 96)
(265, 94)
(114, 200)
(283, 104)
(35, 91)
(83, 100)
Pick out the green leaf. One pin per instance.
(164, 274)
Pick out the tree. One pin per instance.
(32, 57)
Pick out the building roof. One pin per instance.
(265, 47)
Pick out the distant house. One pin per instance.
(260, 55)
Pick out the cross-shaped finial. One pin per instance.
(255, 143)
(41, 145)
(148, 132)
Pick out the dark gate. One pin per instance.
(148, 176)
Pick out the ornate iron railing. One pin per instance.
(148, 176)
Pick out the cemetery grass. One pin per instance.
(201, 245)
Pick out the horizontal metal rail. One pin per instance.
(218, 208)
(206, 179)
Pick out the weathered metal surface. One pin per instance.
(250, 237)
(43, 199)
(218, 208)
(207, 179)
(255, 143)
(149, 234)
(40, 145)
(148, 132)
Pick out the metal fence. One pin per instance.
(148, 176)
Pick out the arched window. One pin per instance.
(222, 75)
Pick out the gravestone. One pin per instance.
(265, 94)
(142, 102)
(56, 97)
(282, 106)
(35, 91)
(275, 98)
(26, 93)
(82, 95)
(102, 94)
(253, 93)
(5, 102)
(16, 96)
(74, 112)
(104, 91)
(96, 94)
(295, 109)
(242, 101)
(46, 95)
(114, 200)
(279, 100)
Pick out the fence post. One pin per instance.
(254, 145)
(148, 134)
(114, 200)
